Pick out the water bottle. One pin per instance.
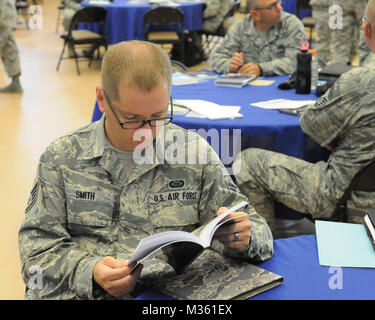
(303, 78)
(314, 70)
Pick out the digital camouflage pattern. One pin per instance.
(210, 277)
(84, 207)
(276, 55)
(214, 13)
(8, 13)
(320, 12)
(343, 38)
(8, 48)
(343, 118)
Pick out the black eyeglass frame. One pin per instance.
(122, 123)
(271, 7)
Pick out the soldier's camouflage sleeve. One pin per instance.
(220, 191)
(214, 13)
(45, 244)
(212, 8)
(329, 120)
(231, 43)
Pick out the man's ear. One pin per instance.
(100, 98)
(254, 15)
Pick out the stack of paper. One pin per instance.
(210, 110)
(282, 104)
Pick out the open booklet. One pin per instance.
(180, 248)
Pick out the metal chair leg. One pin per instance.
(61, 56)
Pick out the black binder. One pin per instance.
(369, 223)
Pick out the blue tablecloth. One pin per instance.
(296, 259)
(266, 129)
(125, 20)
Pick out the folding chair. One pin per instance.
(364, 180)
(157, 24)
(73, 37)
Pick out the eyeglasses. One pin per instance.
(272, 6)
(136, 124)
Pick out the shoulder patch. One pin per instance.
(33, 196)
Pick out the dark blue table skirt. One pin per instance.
(125, 20)
(290, 6)
(296, 259)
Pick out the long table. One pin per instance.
(125, 19)
(296, 259)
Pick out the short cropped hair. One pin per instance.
(135, 63)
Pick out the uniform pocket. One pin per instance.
(89, 207)
(174, 210)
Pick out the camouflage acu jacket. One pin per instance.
(344, 118)
(83, 207)
(276, 55)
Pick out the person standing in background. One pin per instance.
(320, 12)
(342, 38)
(8, 48)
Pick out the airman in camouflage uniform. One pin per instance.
(8, 48)
(343, 38)
(213, 14)
(250, 49)
(342, 120)
(320, 12)
(91, 204)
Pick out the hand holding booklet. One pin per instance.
(180, 248)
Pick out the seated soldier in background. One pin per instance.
(342, 120)
(214, 13)
(265, 42)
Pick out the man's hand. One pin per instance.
(236, 62)
(250, 69)
(237, 233)
(114, 276)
